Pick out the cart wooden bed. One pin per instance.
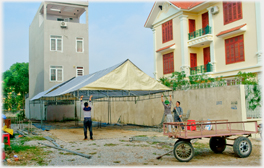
(221, 130)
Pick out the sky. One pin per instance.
(116, 33)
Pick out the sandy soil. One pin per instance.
(74, 135)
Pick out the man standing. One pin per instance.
(167, 110)
(178, 113)
(87, 113)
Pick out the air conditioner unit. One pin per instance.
(63, 24)
(214, 10)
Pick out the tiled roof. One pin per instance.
(165, 47)
(186, 5)
(230, 30)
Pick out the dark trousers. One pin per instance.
(87, 122)
(177, 119)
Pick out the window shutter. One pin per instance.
(234, 49)
(225, 7)
(229, 12)
(163, 33)
(239, 10)
(234, 10)
(168, 63)
(58, 44)
(167, 33)
(241, 48)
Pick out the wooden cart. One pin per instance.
(220, 132)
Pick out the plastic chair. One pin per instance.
(8, 138)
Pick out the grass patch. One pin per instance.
(141, 136)
(31, 153)
(200, 148)
(198, 145)
(145, 163)
(78, 149)
(123, 140)
(154, 153)
(93, 153)
(93, 143)
(110, 144)
(166, 146)
(25, 139)
(155, 142)
(117, 161)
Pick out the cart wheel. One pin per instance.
(183, 151)
(217, 144)
(242, 147)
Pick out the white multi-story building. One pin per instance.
(58, 45)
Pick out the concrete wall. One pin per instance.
(62, 112)
(201, 102)
(36, 56)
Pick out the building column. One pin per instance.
(258, 30)
(184, 48)
(154, 53)
(212, 45)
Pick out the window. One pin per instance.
(56, 73)
(234, 48)
(167, 31)
(168, 63)
(79, 71)
(232, 11)
(79, 44)
(56, 43)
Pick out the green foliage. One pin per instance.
(254, 95)
(178, 80)
(15, 86)
(165, 81)
(247, 78)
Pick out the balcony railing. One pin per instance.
(201, 69)
(199, 32)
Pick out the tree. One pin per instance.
(15, 85)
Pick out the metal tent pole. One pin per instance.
(78, 95)
(75, 111)
(41, 109)
(29, 111)
(110, 110)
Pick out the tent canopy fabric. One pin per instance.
(123, 79)
(39, 95)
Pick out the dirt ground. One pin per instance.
(75, 135)
(112, 147)
(203, 156)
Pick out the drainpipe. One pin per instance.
(154, 52)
